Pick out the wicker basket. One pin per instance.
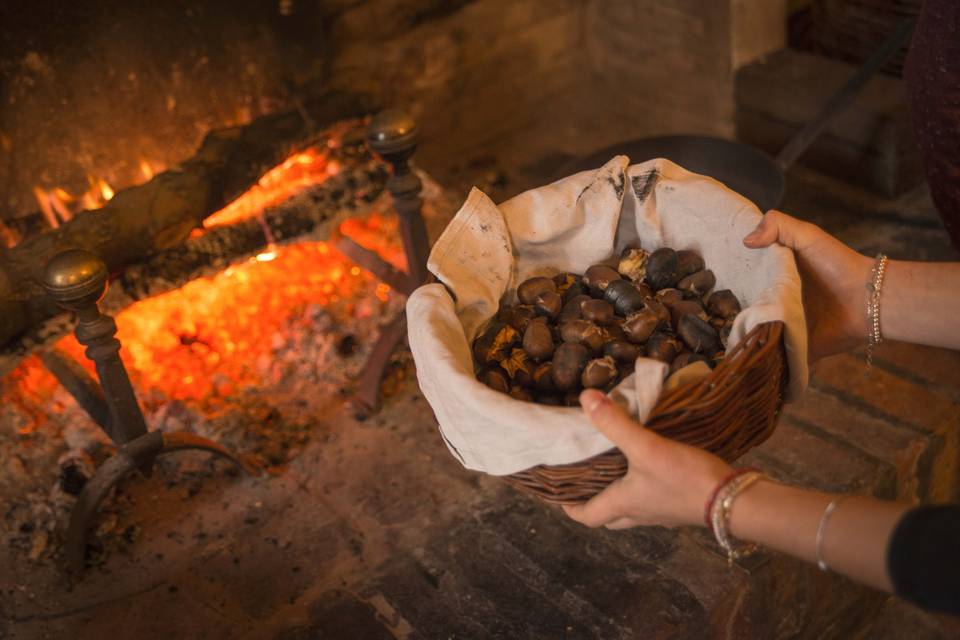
(732, 410)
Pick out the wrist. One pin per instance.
(858, 325)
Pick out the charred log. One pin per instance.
(160, 214)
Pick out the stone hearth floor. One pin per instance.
(375, 531)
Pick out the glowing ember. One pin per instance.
(205, 338)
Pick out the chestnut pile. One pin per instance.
(572, 332)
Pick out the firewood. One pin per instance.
(159, 215)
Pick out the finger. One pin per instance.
(777, 226)
(621, 523)
(598, 510)
(613, 421)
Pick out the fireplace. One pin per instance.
(229, 146)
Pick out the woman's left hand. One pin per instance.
(667, 483)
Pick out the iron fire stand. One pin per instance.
(77, 280)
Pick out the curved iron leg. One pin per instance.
(129, 457)
(181, 440)
(368, 387)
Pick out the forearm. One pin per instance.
(786, 519)
(919, 303)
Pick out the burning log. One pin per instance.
(310, 213)
(159, 215)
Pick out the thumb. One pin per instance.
(777, 226)
(611, 420)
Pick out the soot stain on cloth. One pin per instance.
(617, 183)
(644, 183)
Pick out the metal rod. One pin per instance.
(383, 270)
(79, 384)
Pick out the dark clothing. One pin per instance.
(932, 75)
(923, 559)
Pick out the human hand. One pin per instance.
(834, 278)
(667, 482)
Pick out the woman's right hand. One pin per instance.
(833, 276)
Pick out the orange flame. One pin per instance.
(58, 205)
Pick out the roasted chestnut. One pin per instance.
(543, 377)
(568, 362)
(598, 373)
(518, 316)
(663, 347)
(549, 304)
(519, 367)
(533, 289)
(495, 343)
(723, 304)
(614, 330)
(597, 311)
(687, 307)
(621, 351)
(698, 284)
(662, 313)
(689, 262)
(571, 399)
(519, 393)
(569, 285)
(684, 359)
(640, 325)
(573, 308)
(495, 378)
(669, 297)
(633, 264)
(538, 341)
(725, 333)
(663, 269)
(698, 334)
(598, 278)
(550, 399)
(624, 296)
(583, 332)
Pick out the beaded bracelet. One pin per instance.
(708, 508)
(720, 512)
(874, 336)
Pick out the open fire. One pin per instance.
(211, 336)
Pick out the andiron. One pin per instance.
(392, 135)
(77, 280)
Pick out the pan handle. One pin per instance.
(842, 99)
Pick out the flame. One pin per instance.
(146, 170)
(58, 205)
